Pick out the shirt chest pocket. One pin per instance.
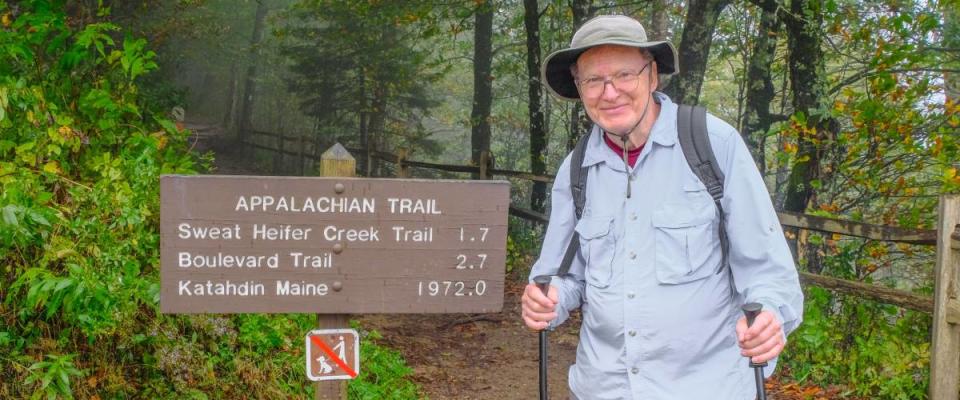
(686, 243)
(597, 246)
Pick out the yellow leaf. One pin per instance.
(950, 173)
(51, 167)
(5, 20)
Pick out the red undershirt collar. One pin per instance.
(632, 155)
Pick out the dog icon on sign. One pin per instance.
(325, 367)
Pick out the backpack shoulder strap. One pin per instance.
(695, 143)
(578, 191)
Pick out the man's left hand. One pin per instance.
(763, 341)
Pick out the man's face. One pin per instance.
(616, 109)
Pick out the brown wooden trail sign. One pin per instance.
(245, 244)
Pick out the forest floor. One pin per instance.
(480, 356)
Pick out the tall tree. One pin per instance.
(482, 80)
(245, 116)
(538, 134)
(582, 11)
(694, 49)
(807, 75)
(760, 89)
(360, 91)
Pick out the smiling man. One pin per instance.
(659, 290)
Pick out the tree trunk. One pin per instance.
(538, 134)
(377, 126)
(807, 83)
(659, 28)
(951, 40)
(760, 90)
(482, 82)
(364, 116)
(249, 87)
(229, 117)
(694, 49)
(579, 121)
(806, 66)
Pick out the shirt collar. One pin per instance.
(664, 130)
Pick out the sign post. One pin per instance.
(335, 162)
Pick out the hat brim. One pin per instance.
(556, 67)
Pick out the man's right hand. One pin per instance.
(538, 310)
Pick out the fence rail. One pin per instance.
(896, 297)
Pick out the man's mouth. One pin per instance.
(614, 109)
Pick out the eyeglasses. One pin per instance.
(623, 81)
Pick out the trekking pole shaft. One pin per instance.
(751, 310)
(543, 283)
(758, 376)
(543, 365)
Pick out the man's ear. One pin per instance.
(654, 77)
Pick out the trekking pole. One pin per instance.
(751, 310)
(543, 282)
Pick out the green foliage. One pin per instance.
(888, 150)
(523, 246)
(53, 375)
(80, 158)
(81, 152)
(384, 374)
(876, 350)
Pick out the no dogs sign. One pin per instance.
(333, 354)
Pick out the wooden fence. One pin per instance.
(944, 305)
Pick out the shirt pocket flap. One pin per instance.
(682, 216)
(594, 227)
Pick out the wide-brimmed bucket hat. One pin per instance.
(605, 29)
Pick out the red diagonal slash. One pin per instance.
(326, 349)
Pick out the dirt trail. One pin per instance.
(488, 356)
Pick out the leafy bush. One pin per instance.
(875, 350)
(82, 148)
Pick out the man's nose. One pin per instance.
(611, 93)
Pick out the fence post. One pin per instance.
(484, 164)
(335, 162)
(403, 170)
(302, 144)
(278, 159)
(945, 351)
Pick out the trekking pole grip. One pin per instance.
(751, 311)
(542, 282)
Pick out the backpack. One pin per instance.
(695, 143)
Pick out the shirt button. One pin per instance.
(630, 295)
(633, 255)
(635, 370)
(633, 216)
(632, 333)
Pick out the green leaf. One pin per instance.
(10, 215)
(63, 284)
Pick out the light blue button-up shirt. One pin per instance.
(659, 321)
